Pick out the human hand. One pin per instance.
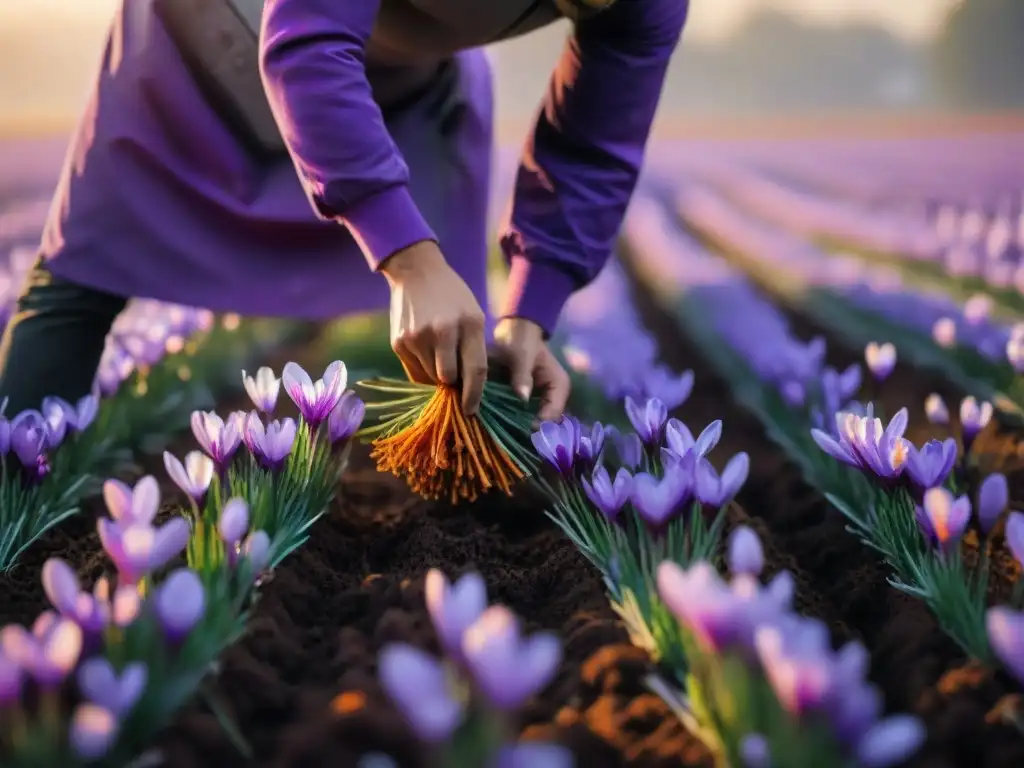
(437, 325)
(520, 345)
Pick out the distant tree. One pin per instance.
(979, 55)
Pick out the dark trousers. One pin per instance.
(54, 341)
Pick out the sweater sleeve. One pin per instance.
(313, 67)
(581, 163)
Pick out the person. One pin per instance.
(385, 110)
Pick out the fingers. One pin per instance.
(473, 361)
(446, 354)
(411, 362)
(554, 384)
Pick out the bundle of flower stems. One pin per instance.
(422, 435)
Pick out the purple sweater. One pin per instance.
(578, 170)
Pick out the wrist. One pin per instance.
(416, 260)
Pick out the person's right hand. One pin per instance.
(437, 325)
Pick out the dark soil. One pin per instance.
(916, 666)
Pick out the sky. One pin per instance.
(50, 48)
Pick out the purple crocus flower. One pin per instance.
(533, 754)
(1005, 628)
(1015, 536)
(263, 389)
(755, 752)
(882, 450)
(716, 491)
(453, 608)
(123, 607)
(680, 440)
(271, 444)
(180, 603)
(12, 679)
(193, 476)
(315, 400)
(256, 549)
(419, 687)
(648, 419)
(345, 419)
(5, 437)
(658, 501)
(609, 496)
(558, 443)
(507, 667)
(890, 742)
(993, 497)
(232, 526)
(943, 519)
(60, 583)
(591, 446)
(880, 359)
(930, 465)
(702, 603)
(935, 409)
(29, 436)
(671, 389)
(139, 549)
(219, 438)
(93, 731)
(974, 417)
(56, 419)
(76, 417)
(745, 554)
(129, 506)
(49, 652)
(801, 681)
(115, 692)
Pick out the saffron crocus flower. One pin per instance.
(745, 554)
(28, 443)
(974, 417)
(219, 438)
(180, 603)
(271, 444)
(890, 742)
(78, 417)
(5, 437)
(139, 549)
(132, 505)
(801, 681)
(648, 419)
(628, 448)
(935, 409)
(263, 389)
(193, 476)
(232, 526)
(420, 688)
(93, 731)
(454, 607)
(943, 519)
(660, 500)
(716, 491)
(700, 600)
(256, 549)
(755, 752)
(60, 583)
(315, 399)
(56, 419)
(930, 465)
(882, 450)
(591, 446)
(507, 667)
(344, 420)
(115, 691)
(680, 440)
(609, 496)
(671, 389)
(1005, 628)
(558, 443)
(993, 497)
(1015, 536)
(880, 359)
(49, 652)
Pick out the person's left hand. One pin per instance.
(520, 345)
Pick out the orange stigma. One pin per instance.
(445, 453)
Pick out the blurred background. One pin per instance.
(740, 59)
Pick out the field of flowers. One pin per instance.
(783, 526)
